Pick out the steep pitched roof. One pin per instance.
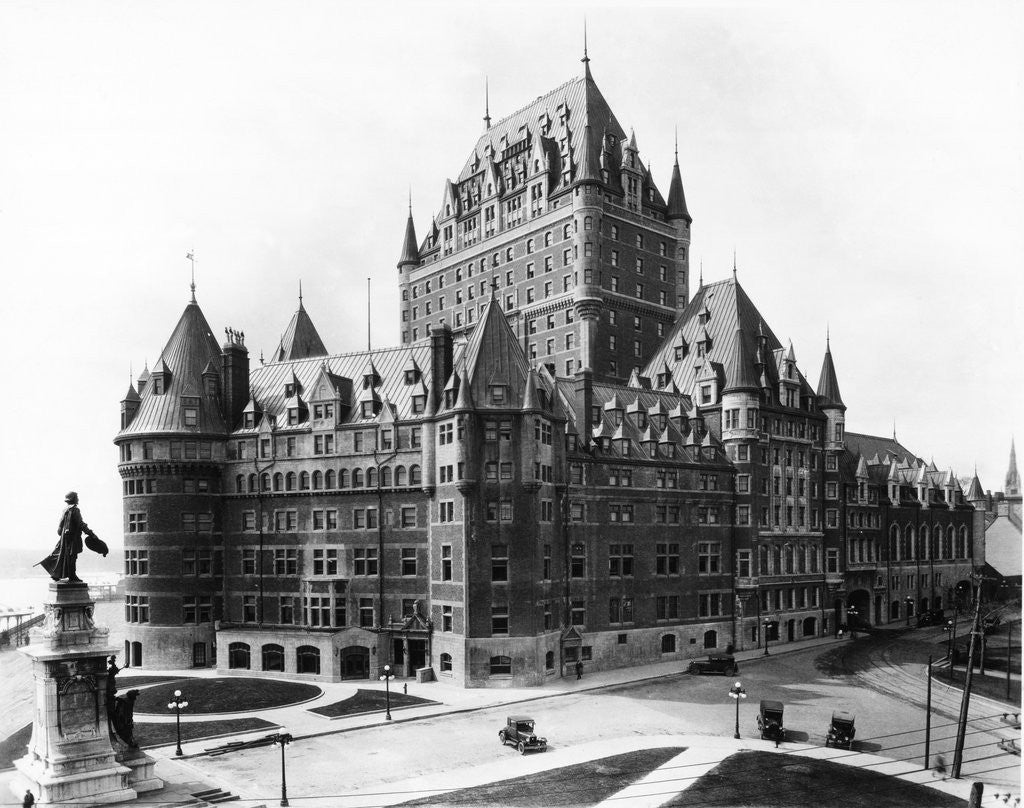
(300, 340)
(871, 445)
(828, 384)
(410, 252)
(579, 98)
(739, 370)
(676, 197)
(190, 348)
(493, 356)
(720, 313)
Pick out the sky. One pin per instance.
(863, 160)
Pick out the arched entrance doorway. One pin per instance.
(355, 662)
(858, 609)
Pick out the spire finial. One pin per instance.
(894, 431)
(300, 293)
(586, 58)
(191, 256)
(487, 102)
(734, 263)
(700, 282)
(410, 200)
(677, 144)
(828, 337)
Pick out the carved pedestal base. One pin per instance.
(141, 776)
(70, 758)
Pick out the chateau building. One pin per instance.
(566, 457)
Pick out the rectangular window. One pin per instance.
(709, 558)
(620, 560)
(446, 562)
(666, 559)
(499, 620)
(364, 561)
(366, 612)
(408, 561)
(499, 562)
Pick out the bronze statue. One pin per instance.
(61, 563)
(120, 709)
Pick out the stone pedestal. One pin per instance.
(71, 760)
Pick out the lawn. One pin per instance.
(991, 686)
(127, 681)
(369, 701)
(13, 746)
(227, 695)
(583, 784)
(769, 780)
(149, 735)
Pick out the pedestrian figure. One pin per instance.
(579, 669)
(29, 800)
(940, 766)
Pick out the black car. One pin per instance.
(715, 663)
(519, 731)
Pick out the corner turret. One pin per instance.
(831, 403)
(678, 215)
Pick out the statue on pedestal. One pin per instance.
(120, 709)
(62, 562)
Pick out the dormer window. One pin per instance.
(498, 393)
(410, 376)
(663, 379)
(669, 450)
(293, 416)
(158, 385)
(289, 389)
(450, 397)
(190, 410)
(249, 420)
(789, 370)
(211, 385)
(705, 394)
(368, 409)
(419, 403)
(701, 349)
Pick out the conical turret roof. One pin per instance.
(676, 196)
(828, 385)
(410, 252)
(739, 370)
(300, 339)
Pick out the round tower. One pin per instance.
(407, 262)
(587, 210)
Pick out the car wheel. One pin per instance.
(502, 738)
(522, 748)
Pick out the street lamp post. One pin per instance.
(283, 738)
(386, 679)
(737, 692)
(851, 614)
(178, 704)
(767, 627)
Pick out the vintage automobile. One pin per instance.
(841, 730)
(715, 663)
(518, 731)
(932, 617)
(769, 721)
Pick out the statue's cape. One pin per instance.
(96, 545)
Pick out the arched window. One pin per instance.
(137, 654)
(265, 481)
(252, 483)
(566, 231)
(307, 659)
(238, 655)
(549, 661)
(400, 475)
(289, 481)
(961, 545)
(278, 481)
(446, 663)
(711, 639)
(240, 484)
(894, 543)
(414, 475)
(273, 657)
(937, 543)
(318, 480)
(304, 481)
(501, 666)
(385, 477)
(343, 478)
(357, 478)
(329, 478)
(371, 478)
(908, 542)
(924, 546)
(668, 643)
(948, 546)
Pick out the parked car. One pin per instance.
(715, 663)
(841, 730)
(932, 617)
(519, 731)
(769, 721)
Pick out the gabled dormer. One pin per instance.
(637, 414)
(614, 409)
(657, 416)
(143, 380)
(371, 378)
(418, 398)
(621, 441)
(649, 442)
(292, 387)
(451, 390)
(664, 377)
(704, 344)
(680, 348)
(411, 372)
(295, 410)
(189, 405)
(369, 402)
(252, 415)
(129, 406)
(666, 446)
(707, 385)
(211, 380)
(160, 379)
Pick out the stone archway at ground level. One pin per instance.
(860, 600)
(355, 662)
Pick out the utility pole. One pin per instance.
(928, 715)
(965, 701)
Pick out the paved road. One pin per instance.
(872, 678)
